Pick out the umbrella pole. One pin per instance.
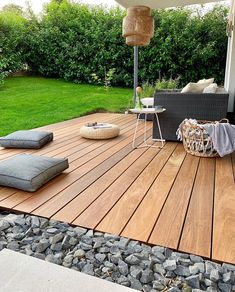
(136, 53)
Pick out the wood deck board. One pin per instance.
(173, 213)
(223, 248)
(119, 215)
(150, 208)
(157, 196)
(197, 231)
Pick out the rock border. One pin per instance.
(114, 258)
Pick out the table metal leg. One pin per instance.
(160, 132)
(136, 128)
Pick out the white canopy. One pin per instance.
(156, 4)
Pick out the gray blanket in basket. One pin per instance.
(223, 137)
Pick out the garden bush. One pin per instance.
(75, 41)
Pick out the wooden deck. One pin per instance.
(162, 197)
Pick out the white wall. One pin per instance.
(229, 83)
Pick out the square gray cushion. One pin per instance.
(26, 139)
(30, 172)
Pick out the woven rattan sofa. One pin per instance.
(201, 106)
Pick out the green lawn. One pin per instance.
(29, 102)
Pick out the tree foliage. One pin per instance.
(73, 41)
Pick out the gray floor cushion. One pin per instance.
(30, 172)
(26, 139)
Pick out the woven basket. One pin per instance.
(196, 140)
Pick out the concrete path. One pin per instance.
(21, 273)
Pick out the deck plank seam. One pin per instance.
(148, 188)
(190, 197)
(128, 187)
(213, 208)
(105, 188)
(163, 205)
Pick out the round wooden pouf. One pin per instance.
(96, 132)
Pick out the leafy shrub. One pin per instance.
(72, 41)
(167, 84)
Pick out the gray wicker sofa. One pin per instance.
(201, 106)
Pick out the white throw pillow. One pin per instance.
(194, 87)
(210, 81)
(211, 88)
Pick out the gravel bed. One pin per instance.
(117, 259)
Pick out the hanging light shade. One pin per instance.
(138, 26)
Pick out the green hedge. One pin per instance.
(72, 41)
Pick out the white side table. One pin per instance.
(145, 112)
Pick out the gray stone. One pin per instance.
(229, 277)
(200, 266)
(185, 262)
(100, 257)
(80, 253)
(212, 289)
(98, 242)
(68, 258)
(113, 249)
(160, 256)
(44, 223)
(90, 233)
(146, 276)
(229, 267)
(13, 245)
(196, 259)
(42, 245)
(52, 230)
(135, 284)
(85, 246)
(208, 282)
(123, 268)
(158, 286)
(103, 249)
(157, 249)
(124, 281)
(73, 241)
(35, 223)
(53, 259)
(20, 221)
(169, 265)
(182, 271)
(115, 258)
(174, 289)
(40, 256)
(179, 255)
(4, 225)
(132, 260)
(65, 242)
(194, 270)
(86, 239)
(225, 287)
(109, 236)
(214, 275)
(159, 269)
(106, 270)
(88, 269)
(123, 242)
(135, 272)
(193, 281)
(56, 238)
(56, 246)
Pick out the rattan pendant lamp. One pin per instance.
(138, 29)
